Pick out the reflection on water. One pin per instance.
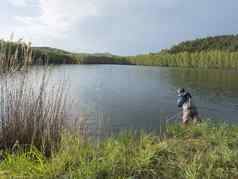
(139, 97)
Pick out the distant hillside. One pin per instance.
(58, 56)
(211, 52)
(224, 43)
(60, 51)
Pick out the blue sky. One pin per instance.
(123, 27)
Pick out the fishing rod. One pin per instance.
(215, 109)
(170, 118)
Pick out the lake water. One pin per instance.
(140, 96)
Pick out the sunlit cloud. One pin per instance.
(117, 26)
(18, 3)
(56, 18)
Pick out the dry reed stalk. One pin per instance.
(31, 112)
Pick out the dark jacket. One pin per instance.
(183, 98)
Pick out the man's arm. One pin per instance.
(189, 99)
(188, 95)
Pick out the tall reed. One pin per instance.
(14, 55)
(32, 112)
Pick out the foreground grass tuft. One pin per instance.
(202, 151)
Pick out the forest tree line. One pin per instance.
(211, 52)
(203, 59)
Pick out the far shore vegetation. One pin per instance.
(211, 52)
(36, 140)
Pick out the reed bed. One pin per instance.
(31, 114)
(32, 111)
(14, 55)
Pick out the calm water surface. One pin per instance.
(139, 96)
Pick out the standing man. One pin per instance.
(189, 110)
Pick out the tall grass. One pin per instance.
(205, 150)
(14, 55)
(32, 112)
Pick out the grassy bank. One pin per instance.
(202, 151)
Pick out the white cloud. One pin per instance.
(115, 25)
(18, 3)
(56, 19)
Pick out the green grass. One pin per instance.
(205, 150)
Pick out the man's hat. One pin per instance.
(180, 90)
